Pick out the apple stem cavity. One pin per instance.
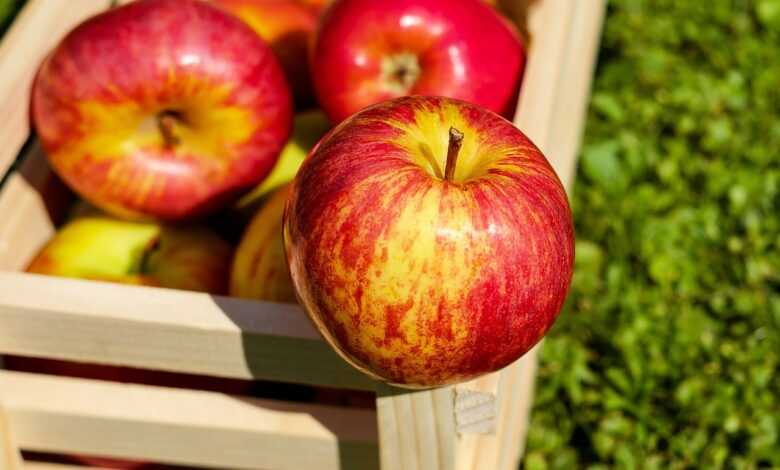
(400, 72)
(453, 148)
(167, 122)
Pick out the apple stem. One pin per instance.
(456, 141)
(166, 122)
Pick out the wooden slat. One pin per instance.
(416, 429)
(32, 201)
(37, 29)
(10, 457)
(167, 330)
(574, 84)
(184, 427)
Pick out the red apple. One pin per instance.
(429, 240)
(163, 108)
(368, 51)
(287, 26)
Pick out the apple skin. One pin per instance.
(260, 269)
(141, 253)
(418, 280)
(317, 5)
(177, 115)
(287, 26)
(462, 50)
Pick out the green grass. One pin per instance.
(667, 355)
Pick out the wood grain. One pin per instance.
(163, 329)
(184, 427)
(10, 457)
(417, 428)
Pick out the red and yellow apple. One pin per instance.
(287, 26)
(429, 240)
(161, 108)
(260, 266)
(369, 51)
(108, 249)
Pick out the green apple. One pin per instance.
(308, 128)
(146, 253)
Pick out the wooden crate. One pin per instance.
(475, 425)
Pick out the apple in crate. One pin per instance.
(161, 108)
(287, 26)
(260, 266)
(103, 248)
(369, 51)
(429, 240)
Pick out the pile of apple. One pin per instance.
(426, 237)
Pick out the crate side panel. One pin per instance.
(184, 427)
(177, 331)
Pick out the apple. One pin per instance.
(260, 266)
(161, 108)
(308, 128)
(429, 241)
(142, 253)
(369, 51)
(287, 26)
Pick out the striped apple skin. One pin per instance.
(417, 280)
(97, 96)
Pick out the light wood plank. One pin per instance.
(32, 201)
(37, 29)
(10, 457)
(165, 329)
(184, 427)
(417, 428)
(574, 84)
